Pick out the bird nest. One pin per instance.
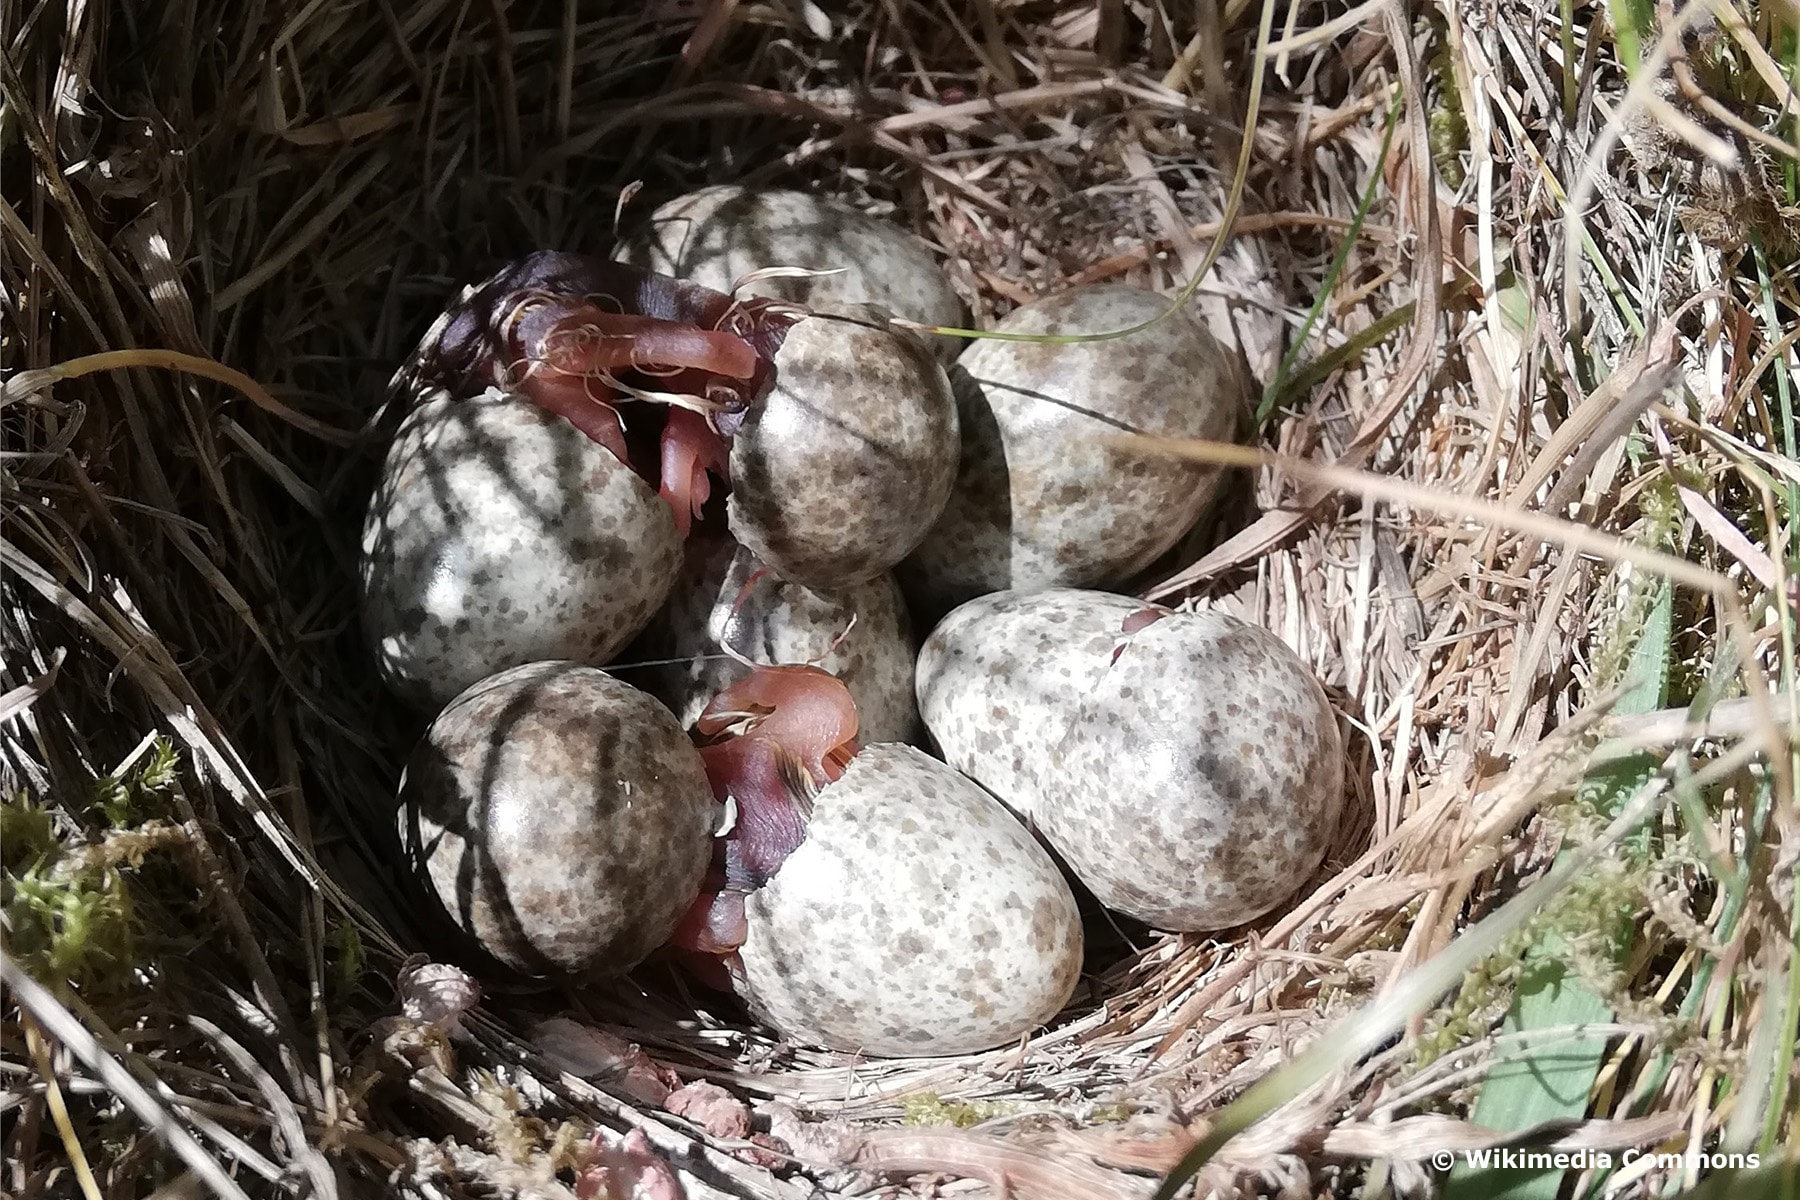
(1519, 497)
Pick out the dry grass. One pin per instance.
(271, 206)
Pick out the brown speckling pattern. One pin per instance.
(719, 234)
(498, 535)
(999, 680)
(1039, 501)
(562, 817)
(840, 472)
(1201, 779)
(918, 918)
(780, 623)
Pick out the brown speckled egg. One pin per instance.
(1040, 501)
(563, 818)
(840, 471)
(1201, 779)
(717, 235)
(1187, 766)
(999, 677)
(500, 534)
(917, 918)
(777, 622)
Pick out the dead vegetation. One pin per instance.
(1521, 309)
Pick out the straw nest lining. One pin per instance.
(296, 197)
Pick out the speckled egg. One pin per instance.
(500, 534)
(1226, 773)
(917, 918)
(1187, 766)
(998, 679)
(1040, 499)
(726, 597)
(839, 472)
(562, 818)
(717, 235)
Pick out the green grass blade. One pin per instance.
(1362, 1033)
(1772, 1181)
(1283, 383)
(1542, 1081)
(1737, 888)
(1546, 1079)
(1784, 388)
(1785, 1019)
(1632, 25)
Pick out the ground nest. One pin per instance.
(1523, 499)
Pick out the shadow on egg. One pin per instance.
(706, 243)
(1232, 510)
(556, 819)
(1111, 938)
(978, 517)
(426, 797)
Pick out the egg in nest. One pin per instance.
(839, 471)
(1042, 499)
(561, 818)
(868, 898)
(1187, 766)
(834, 434)
(718, 235)
(726, 597)
(499, 534)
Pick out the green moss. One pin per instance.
(1110, 1114)
(929, 1108)
(27, 834)
(345, 961)
(125, 802)
(66, 895)
(1446, 128)
(1449, 136)
(69, 924)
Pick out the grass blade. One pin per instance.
(1775, 1181)
(1546, 1079)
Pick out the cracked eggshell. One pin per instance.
(780, 622)
(999, 679)
(838, 473)
(1040, 500)
(499, 534)
(1200, 782)
(917, 919)
(717, 235)
(562, 818)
